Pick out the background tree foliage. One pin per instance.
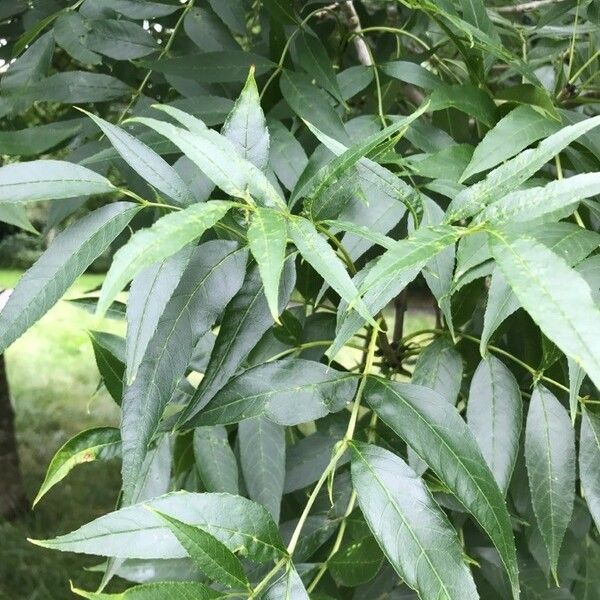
(273, 174)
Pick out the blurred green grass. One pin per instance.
(54, 380)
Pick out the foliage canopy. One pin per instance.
(272, 175)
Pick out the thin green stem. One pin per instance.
(583, 67)
(287, 45)
(164, 51)
(267, 578)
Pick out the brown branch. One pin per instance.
(360, 45)
(525, 6)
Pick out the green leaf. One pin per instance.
(109, 350)
(466, 98)
(411, 72)
(411, 529)
(526, 93)
(282, 10)
(354, 79)
(149, 293)
(149, 165)
(385, 191)
(589, 462)
(313, 58)
(78, 87)
(245, 321)
(228, 66)
(287, 587)
(16, 214)
(120, 39)
(501, 303)
(513, 133)
(217, 158)
(267, 237)
(436, 432)
(328, 175)
(558, 299)
(423, 245)
(160, 241)
(440, 368)
(70, 33)
(135, 532)
(533, 203)
(287, 392)
(550, 457)
(212, 556)
(69, 255)
(141, 9)
(356, 563)
(515, 171)
(207, 31)
(312, 104)
(495, 416)
(99, 443)
(49, 180)
(36, 140)
(166, 590)
(288, 158)
(319, 254)
(262, 458)
(215, 460)
(246, 127)
(213, 276)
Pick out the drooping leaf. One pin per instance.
(466, 98)
(146, 162)
(288, 586)
(213, 67)
(411, 72)
(212, 556)
(245, 321)
(440, 368)
(589, 461)
(165, 590)
(246, 127)
(434, 429)
(507, 177)
(99, 443)
(160, 241)
(215, 460)
(49, 180)
(141, 9)
(550, 457)
(287, 157)
(235, 521)
(495, 416)
(287, 392)
(312, 104)
(501, 303)
(120, 39)
(207, 31)
(36, 140)
(69, 255)
(557, 297)
(409, 526)
(109, 351)
(149, 293)
(212, 277)
(262, 458)
(313, 58)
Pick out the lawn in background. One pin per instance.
(54, 381)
